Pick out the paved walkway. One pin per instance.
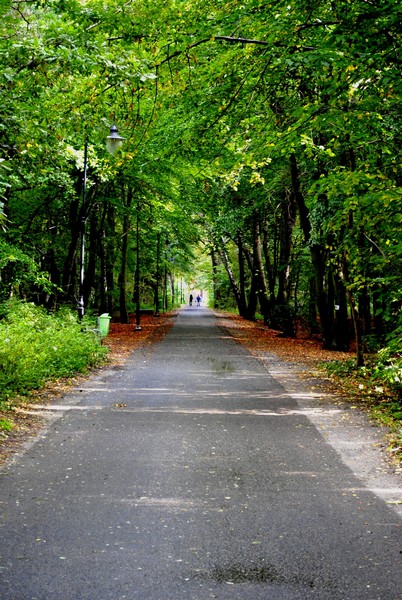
(191, 473)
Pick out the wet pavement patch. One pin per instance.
(257, 574)
(221, 367)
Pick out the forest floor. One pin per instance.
(305, 355)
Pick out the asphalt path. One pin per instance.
(188, 474)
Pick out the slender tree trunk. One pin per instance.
(76, 222)
(70, 263)
(124, 253)
(242, 274)
(110, 257)
(232, 280)
(165, 279)
(268, 264)
(90, 284)
(317, 252)
(172, 288)
(325, 305)
(215, 285)
(157, 275)
(312, 307)
(342, 333)
(355, 315)
(53, 269)
(288, 217)
(165, 290)
(364, 310)
(252, 304)
(258, 268)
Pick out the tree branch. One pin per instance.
(231, 40)
(317, 24)
(234, 40)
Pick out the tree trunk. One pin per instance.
(232, 280)
(258, 268)
(165, 279)
(288, 217)
(172, 288)
(215, 286)
(312, 307)
(70, 263)
(157, 275)
(364, 311)
(124, 253)
(90, 284)
(242, 274)
(342, 329)
(317, 252)
(355, 315)
(251, 306)
(268, 266)
(110, 257)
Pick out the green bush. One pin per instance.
(388, 370)
(36, 346)
(6, 425)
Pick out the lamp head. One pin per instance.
(114, 140)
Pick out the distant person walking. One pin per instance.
(191, 300)
(198, 300)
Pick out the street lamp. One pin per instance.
(114, 140)
(113, 143)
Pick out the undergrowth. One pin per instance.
(36, 347)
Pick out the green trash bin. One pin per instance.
(104, 323)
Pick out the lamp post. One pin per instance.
(81, 307)
(113, 143)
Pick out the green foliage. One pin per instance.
(388, 370)
(26, 274)
(36, 347)
(6, 425)
(380, 375)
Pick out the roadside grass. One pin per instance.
(37, 347)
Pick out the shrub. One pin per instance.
(36, 346)
(6, 425)
(388, 370)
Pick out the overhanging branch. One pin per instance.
(231, 40)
